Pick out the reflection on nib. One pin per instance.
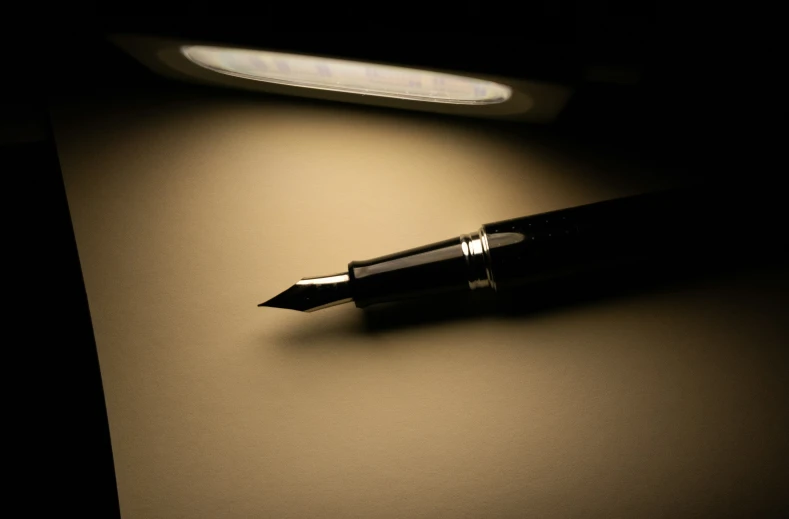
(327, 280)
(312, 294)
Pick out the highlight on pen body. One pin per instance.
(347, 76)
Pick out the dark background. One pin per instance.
(707, 92)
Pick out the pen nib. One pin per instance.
(312, 294)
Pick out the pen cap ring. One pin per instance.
(475, 250)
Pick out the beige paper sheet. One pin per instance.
(189, 211)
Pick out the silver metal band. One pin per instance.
(477, 254)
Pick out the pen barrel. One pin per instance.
(654, 230)
(669, 230)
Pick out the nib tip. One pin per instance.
(312, 294)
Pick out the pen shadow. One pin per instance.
(548, 297)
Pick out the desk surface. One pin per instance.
(189, 211)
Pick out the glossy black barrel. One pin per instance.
(652, 230)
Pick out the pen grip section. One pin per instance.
(431, 269)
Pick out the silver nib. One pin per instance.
(312, 294)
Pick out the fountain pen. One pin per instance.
(649, 231)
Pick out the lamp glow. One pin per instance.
(347, 76)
